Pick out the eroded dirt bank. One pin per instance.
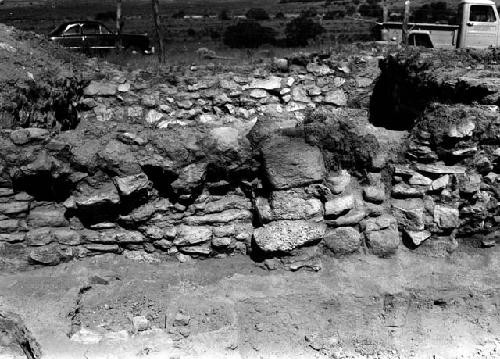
(408, 306)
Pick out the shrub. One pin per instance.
(224, 15)
(257, 14)
(300, 30)
(350, 10)
(371, 10)
(279, 16)
(179, 14)
(310, 12)
(248, 34)
(434, 12)
(334, 14)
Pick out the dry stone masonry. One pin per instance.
(275, 160)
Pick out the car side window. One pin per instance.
(71, 29)
(105, 31)
(91, 29)
(482, 13)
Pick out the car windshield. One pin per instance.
(72, 29)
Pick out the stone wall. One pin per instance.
(165, 164)
(276, 160)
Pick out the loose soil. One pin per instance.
(408, 306)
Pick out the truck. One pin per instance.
(478, 27)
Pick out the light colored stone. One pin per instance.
(336, 97)
(227, 216)
(47, 216)
(339, 183)
(153, 116)
(14, 208)
(402, 190)
(271, 83)
(318, 70)
(417, 237)
(284, 236)
(440, 169)
(100, 88)
(132, 184)
(462, 129)
(446, 217)
(226, 138)
(258, 94)
(374, 194)
(339, 206)
(221, 242)
(140, 323)
(353, 218)
(440, 183)
(189, 235)
(420, 180)
(294, 204)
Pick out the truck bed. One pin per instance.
(442, 35)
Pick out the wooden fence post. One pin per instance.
(118, 27)
(385, 11)
(156, 19)
(406, 19)
(118, 16)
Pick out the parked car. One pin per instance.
(93, 35)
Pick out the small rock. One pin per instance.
(100, 88)
(339, 183)
(374, 194)
(336, 97)
(343, 240)
(420, 180)
(140, 323)
(402, 190)
(440, 183)
(461, 130)
(318, 70)
(446, 217)
(417, 237)
(272, 263)
(258, 94)
(189, 235)
(181, 320)
(339, 206)
(272, 83)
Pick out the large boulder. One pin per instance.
(290, 162)
(284, 236)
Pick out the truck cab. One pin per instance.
(479, 24)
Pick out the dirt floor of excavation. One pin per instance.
(408, 306)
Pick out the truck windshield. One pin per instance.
(482, 13)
